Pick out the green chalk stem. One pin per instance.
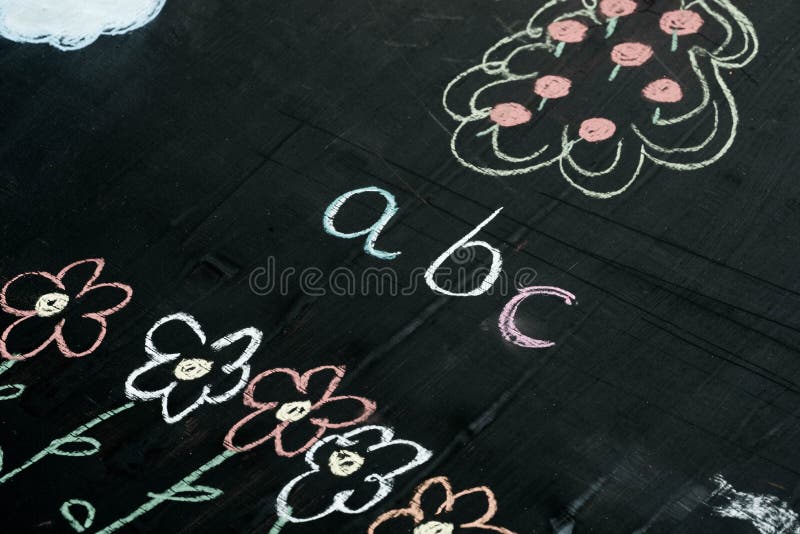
(674, 46)
(612, 25)
(614, 73)
(182, 491)
(74, 437)
(560, 48)
(18, 389)
(281, 522)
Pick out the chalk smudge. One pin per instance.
(767, 513)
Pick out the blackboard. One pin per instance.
(399, 266)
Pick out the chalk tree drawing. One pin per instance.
(541, 96)
(73, 24)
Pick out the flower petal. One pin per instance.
(329, 494)
(151, 381)
(296, 438)
(353, 500)
(27, 337)
(472, 507)
(254, 429)
(80, 336)
(398, 521)
(171, 332)
(85, 335)
(315, 385)
(79, 276)
(181, 400)
(105, 299)
(227, 389)
(431, 497)
(251, 335)
(343, 411)
(395, 457)
(19, 295)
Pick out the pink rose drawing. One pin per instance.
(663, 90)
(613, 10)
(510, 114)
(570, 91)
(629, 55)
(680, 22)
(617, 8)
(68, 309)
(549, 87)
(566, 31)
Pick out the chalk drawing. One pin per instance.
(47, 313)
(9, 391)
(613, 10)
(507, 325)
(440, 519)
(343, 463)
(177, 370)
(185, 490)
(373, 231)
(68, 514)
(280, 523)
(358, 485)
(464, 242)
(680, 22)
(556, 27)
(74, 444)
(73, 24)
(629, 55)
(309, 417)
(767, 513)
(663, 90)
(550, 87)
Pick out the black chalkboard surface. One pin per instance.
(399, 266)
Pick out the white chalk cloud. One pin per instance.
(73, 24)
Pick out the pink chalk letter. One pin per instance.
(508, 327)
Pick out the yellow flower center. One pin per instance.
(293, 411)
(192, 368)
(51, 304)
(345, 463)
(434, 527)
